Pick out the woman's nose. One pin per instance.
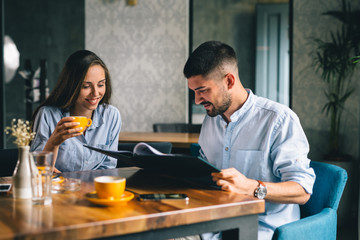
(95, 91)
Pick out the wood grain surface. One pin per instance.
(72, 216)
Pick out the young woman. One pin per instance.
(83, 89)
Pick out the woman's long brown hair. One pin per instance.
(69, 84)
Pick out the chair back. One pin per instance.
(328, 188)
(177, 127)
(164, 147)
(195, 149)
(8, 160)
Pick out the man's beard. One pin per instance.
(222, 108)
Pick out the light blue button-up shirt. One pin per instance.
(72, 155)
(266, 142)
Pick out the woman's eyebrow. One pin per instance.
(103, 80)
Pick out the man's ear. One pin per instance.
(230, 80)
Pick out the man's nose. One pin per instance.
(198, 98)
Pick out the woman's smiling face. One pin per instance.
(92, 90)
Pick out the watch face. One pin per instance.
(260, 192)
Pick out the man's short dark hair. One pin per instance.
(207, 57)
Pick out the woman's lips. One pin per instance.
(93, 101)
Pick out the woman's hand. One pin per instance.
(63, 130)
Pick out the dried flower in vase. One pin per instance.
(21, 131)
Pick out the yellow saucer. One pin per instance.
(57, 179)
(92, 197)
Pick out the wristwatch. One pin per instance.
(260, 191)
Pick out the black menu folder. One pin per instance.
(184, 167)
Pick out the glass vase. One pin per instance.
(22, 175)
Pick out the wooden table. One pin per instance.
(71, 216)
(179, 140)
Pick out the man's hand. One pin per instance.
(233, 181)
(282, 192)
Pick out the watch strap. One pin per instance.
(261, 183)
(261, 191)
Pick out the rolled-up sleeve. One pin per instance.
(289, 153)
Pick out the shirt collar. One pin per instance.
(245, 107)
(97, 118)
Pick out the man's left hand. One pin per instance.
(232, 180)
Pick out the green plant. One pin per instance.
(334, 58)
(356, 59)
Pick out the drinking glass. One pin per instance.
(41, 166)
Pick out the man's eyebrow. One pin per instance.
(199, 88)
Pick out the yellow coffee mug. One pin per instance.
(84, 122)
(110, 187)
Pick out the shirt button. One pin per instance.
(226, 149)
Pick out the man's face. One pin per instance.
(212, 94)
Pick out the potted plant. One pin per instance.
(334, 59)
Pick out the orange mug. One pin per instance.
(110, 187)
(84, 122)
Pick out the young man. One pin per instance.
(259, 144)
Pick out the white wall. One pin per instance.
(145, 48)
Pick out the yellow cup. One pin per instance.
(84, 122)
(110, 187)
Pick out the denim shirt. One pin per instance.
(263, 141)
(72, 155)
